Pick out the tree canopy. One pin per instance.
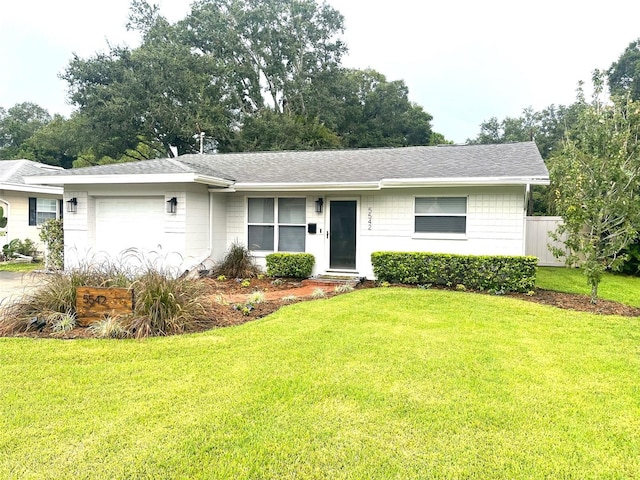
(546, 127)
(17, 125)
(624, 74)
(251, 74)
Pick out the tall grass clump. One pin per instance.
(165, 302)
(237, 263)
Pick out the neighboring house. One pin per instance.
(339, 205)
(26, 206)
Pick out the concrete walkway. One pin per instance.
(15, 284)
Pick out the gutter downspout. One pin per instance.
(527, 197)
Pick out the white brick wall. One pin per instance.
(495, 223)
(170, 240)
(236, 219)
(219, 226)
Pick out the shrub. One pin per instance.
(23, 247)
(289, 298)
(62, 322)
(3, 219)
(631, 265)
(52, 234)
(318, 293)
(257, 297)
(244, 308)
(491, 273)
(344, 288)
(294, 265)
(110, 327)
(237, 263)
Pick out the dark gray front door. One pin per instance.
(342, 232)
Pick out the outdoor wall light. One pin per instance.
(72, 205)
(319, 203)
(172, 205)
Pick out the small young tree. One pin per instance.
(596, 181)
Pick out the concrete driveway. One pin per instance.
(14, 284)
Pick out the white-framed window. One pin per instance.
(441, 215)
(277, 224)
(42, 209)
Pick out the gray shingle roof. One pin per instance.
(169, 166)
(347, 166)
(372, 165)
(14, 171)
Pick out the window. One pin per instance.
(441, 215)
(42, 209)
(277, 224)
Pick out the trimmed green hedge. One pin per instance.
(494, 273)
(295, 265)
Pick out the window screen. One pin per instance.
(288, 234)
(441, 215)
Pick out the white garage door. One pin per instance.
(126, 222)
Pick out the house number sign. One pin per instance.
(370, 219)
(94, 304)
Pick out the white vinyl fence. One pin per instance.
(538, 240)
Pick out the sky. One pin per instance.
(464, 61)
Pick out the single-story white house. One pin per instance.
(26, 206)
(339, 205)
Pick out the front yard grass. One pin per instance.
(619, 288)
(19, 266)
(379, 383)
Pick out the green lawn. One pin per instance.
(19, 266)
(379, 383)
(620, 288)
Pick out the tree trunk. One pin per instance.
(594, 293)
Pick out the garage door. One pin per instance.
(126, 222)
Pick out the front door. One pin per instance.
(342, 234)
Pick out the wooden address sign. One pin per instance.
(94, 303)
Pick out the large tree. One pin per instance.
(269, 130)
(624, 74)
(270, 50)
(596, 181)
(546, 127)
(59, 142)
(375, 112)
(251, 74)
(140, 102)
(17, 125)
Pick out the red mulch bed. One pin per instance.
(226, 315)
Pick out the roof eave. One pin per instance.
(213, 181)
(301, 187)
(120, 179)
(391, 183)
(463, 181)
(14, 187)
